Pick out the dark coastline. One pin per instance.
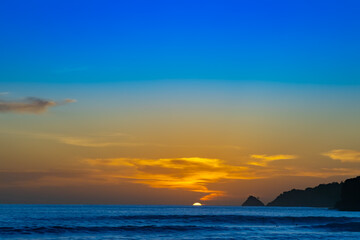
(343, 196)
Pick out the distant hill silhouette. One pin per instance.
(253, 202)
(323, 195)
(350, 195)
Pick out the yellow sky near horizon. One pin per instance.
(177, 147)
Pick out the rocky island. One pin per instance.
(252, 201)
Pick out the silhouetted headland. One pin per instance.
(323, 195)
(350, 195)
(253, 202)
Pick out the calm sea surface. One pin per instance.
(174, 222)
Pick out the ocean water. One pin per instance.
(77, 222)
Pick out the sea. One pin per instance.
(95, 222)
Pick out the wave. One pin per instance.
(341, 227)
(229, 219)
(147, 224)
(102, 229)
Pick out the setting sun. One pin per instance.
(197, 204)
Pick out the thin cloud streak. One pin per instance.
(109, 141)
(31, 105)
(263, 159)
(116, 139)
(93, 141)
(31, 178)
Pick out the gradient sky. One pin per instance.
(173, 102)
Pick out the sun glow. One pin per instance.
(197, 204)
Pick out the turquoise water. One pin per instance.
(77, 222)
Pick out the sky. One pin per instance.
(175, 102)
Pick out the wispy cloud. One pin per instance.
(263, 159)
(110, 139)
(324, 172)
(344, 155)
(95, 143)
(121, 140)
(45, 177)
(31, 105)
(98, 140)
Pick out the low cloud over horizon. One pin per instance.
(30, 105)
(207, 178)
(196, 174)
(191, 174)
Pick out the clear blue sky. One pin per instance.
(112, 41)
